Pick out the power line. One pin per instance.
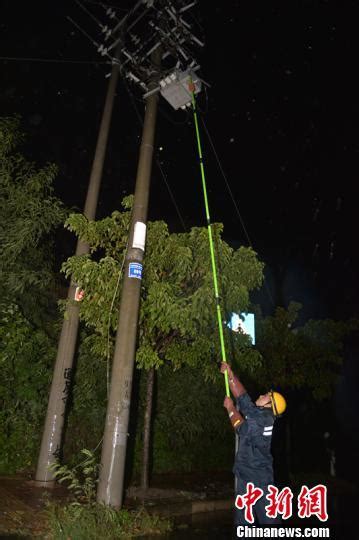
(89, 14)
(173, 122)
(233, 200)
(83, 31)
(171, 194)
(105, 5)
(226, 181)
(50, 60)
(132, 99)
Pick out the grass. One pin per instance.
(91, 522)
(82, 522)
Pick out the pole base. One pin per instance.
(50, 484)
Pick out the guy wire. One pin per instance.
(109, 322)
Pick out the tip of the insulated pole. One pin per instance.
(191, 87)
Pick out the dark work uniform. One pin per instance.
(254, 462)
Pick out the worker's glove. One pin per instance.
(228, 403)
(226, 367)
(235, 417)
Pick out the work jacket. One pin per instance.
(254, 461)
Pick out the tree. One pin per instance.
(29, 214)
(26, 354)
(296, 357)
(177, 319)
(304, 362)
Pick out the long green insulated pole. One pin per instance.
(211, 247)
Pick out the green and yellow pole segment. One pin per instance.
(210, 237)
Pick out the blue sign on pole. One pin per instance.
(135, 270)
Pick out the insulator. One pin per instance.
(102, 50)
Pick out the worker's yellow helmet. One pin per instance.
(278, 402)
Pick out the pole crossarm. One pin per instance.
(148, 26)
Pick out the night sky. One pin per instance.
(282, 109)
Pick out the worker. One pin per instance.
(254, 425)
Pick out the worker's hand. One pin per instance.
(226, 367)
(228, 403)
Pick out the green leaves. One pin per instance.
(26, 354)
(300, 356)
(147, 357)
(29, 215)
(178, 322)
(29, 212)
(109, 234)
(82, 479)
(10, 135)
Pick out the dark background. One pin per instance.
(283, 113)
(282, 110)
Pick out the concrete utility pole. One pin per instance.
(111, 482)
(61, 382)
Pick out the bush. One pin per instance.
(26, 355)
(191, 431)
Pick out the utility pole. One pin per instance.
(137, 43)
(54, 423)
(111, 482)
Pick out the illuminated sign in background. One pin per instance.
(245, 322)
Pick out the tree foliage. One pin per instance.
(177, 317)
(297, 357)
(26, 355)
(29, 214)
(191, 430)
(178, 329)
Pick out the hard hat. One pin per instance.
(278, 403)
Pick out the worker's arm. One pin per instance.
(235, 384)
(243, 400)
(235, 417)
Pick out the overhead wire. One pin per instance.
(233, 199)
(108, 341)
(163, 175)
(105, 5)
(51, 60)
(82, 31)
(165, 115)
(88, 12)
(226, 181)
(205, 111)
(109, 320)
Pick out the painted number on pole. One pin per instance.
(135, 270)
